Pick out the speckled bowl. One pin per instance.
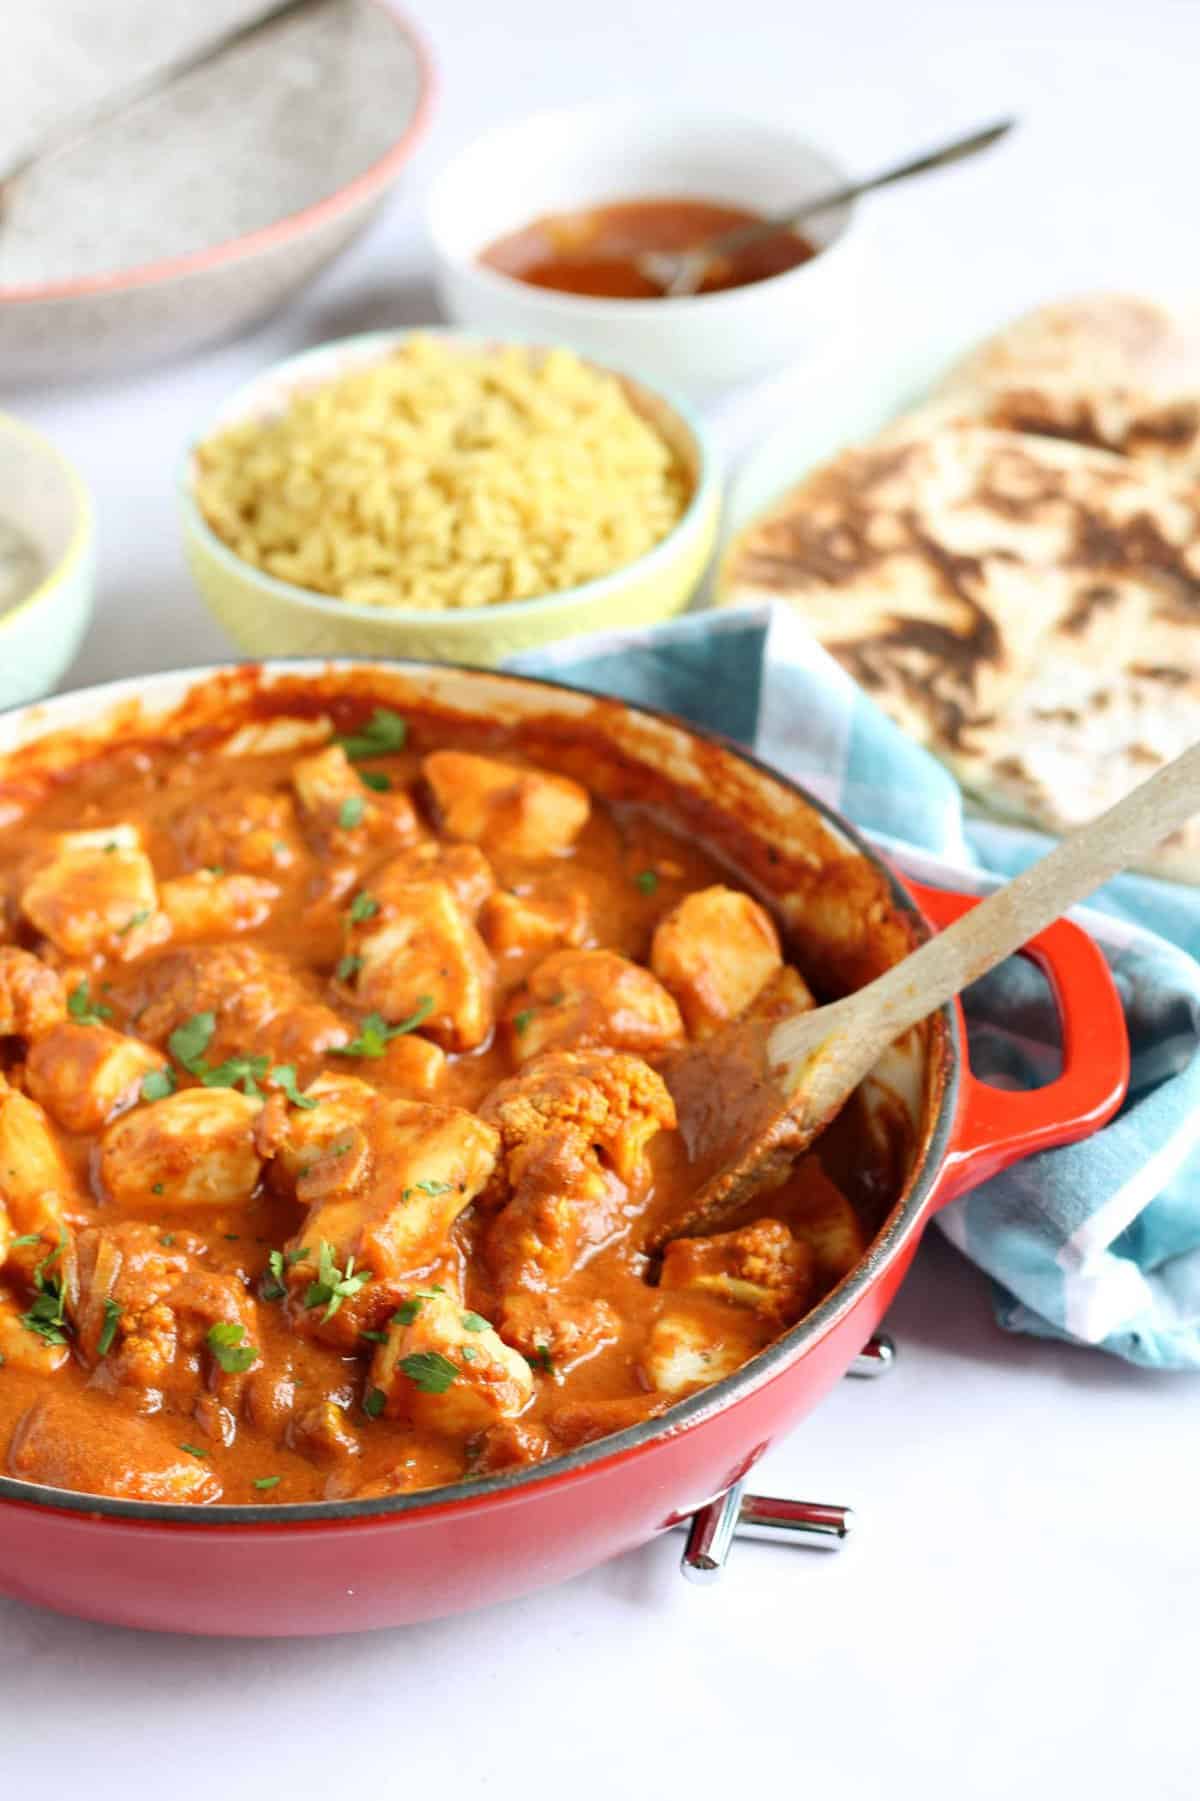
(42, 496)
(250, 189)
(269, 617)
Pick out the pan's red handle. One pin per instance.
(997, 1126)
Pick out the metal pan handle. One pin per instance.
(998, 1126)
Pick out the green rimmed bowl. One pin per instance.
(268, 617)
(42, 496)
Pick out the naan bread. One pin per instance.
(1109, 371)
(1094, 341)
(1028, 609)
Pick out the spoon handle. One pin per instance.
(867, 1022)
(693, 263)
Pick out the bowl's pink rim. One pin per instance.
(374, 177)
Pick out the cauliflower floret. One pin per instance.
(614, 1102)
(90, 896)
(386, 1194)
(421, 948)
(66, 1441)
(464, 869)
(194, 1149)
(715, 951)
(760, 1266)
(563, 1202)
(446, 1370)
(144, 1316)
(333, 798)
(83, 1074)
(520, 924)
(205, 904)
(36, 1184)
(825, 1221)
(522, 812)
(255, 998)
(685, 1352)
(579, 998)
(32, 997)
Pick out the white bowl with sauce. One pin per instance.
(47, 563)
(593, 156)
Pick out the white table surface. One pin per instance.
(1018, 1614)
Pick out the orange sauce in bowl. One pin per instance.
(593, 251)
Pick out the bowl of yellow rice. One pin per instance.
(432, 494)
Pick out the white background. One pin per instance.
(1019, 1613)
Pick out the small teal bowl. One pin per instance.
(42, 496)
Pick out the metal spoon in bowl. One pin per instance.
(681, 272)
(755, 1095)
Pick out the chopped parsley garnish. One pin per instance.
(267, 1481)
(647, 881)
(25, 1238)
(158, 1085)
(108, 1331)
(135, 919)
(521, 1020)
(81, 1006)
(159, 1188)
(468, 1353)
(167, 1238)
(430, 1371)
(363, 906)
(407, 1311)
(334, 1285)
(225, 1341)
(214, 869)
(432, 1187)
(194, 1450)
(374, 1402)
(189, 1041)
(283, 1077)
(273, 1287)
(475, 1322)
(384, 731)
(378, 779)
(374, 1337)
(541, 1356)
(350, 813)
(347, 967)
(376, 1034)
(248, 1071)
(45, 1315)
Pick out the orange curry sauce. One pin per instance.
(592, 251)
(332, 1123)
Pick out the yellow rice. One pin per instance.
(443, 478)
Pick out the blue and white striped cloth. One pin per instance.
(1098, 1242)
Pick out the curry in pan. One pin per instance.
(335, 1114)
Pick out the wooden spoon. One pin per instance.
(756, 1094)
